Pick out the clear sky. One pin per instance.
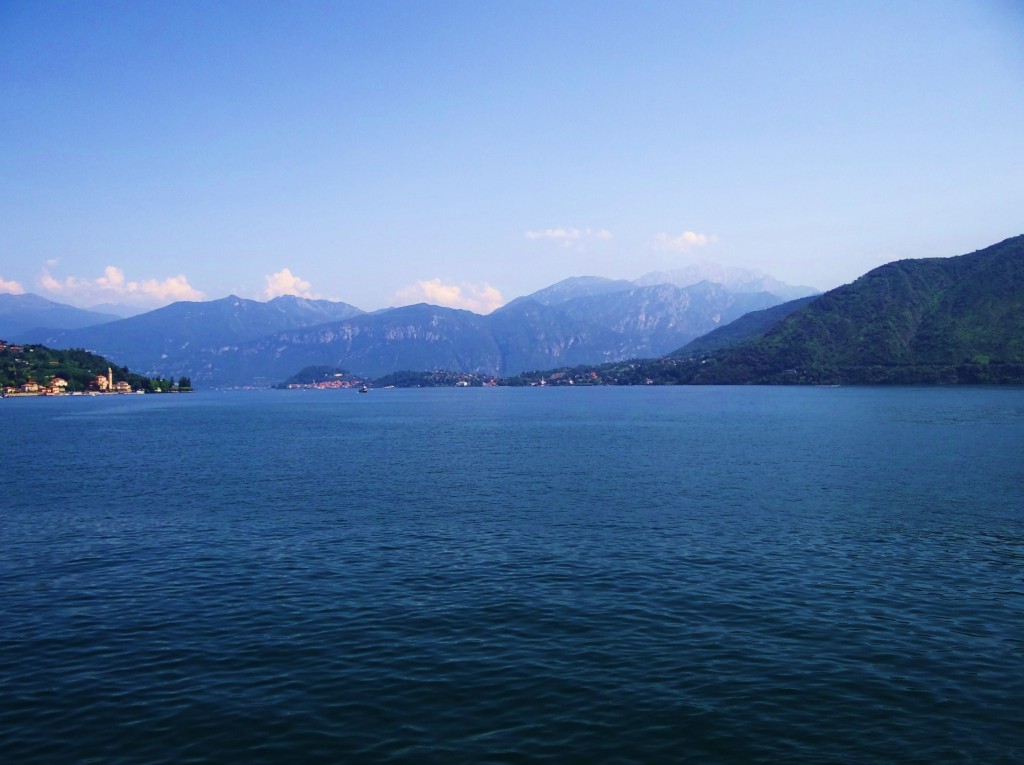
(465, 153)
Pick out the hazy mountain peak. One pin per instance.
(295, 302)
(735, 278)
(28, 311)
(119, 310)
(577, 287)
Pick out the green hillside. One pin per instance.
(747, 327)
(936, 320)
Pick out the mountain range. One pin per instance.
(234, 341)
(931, 320)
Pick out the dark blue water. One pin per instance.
(463, 576)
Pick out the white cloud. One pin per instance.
(284, 282)
(113, 286)
(479, 298)
(571, 237)
(685, 242)
(11, 286)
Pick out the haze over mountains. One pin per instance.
(730, 277)
(945, 320)
(234, 341)
(30, 314)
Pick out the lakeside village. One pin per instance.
(626, 373)
(58, 386)
(332, 378)
(34, 370)
(358, 383)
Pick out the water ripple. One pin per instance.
(615, 577)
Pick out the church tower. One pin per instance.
(110, 379)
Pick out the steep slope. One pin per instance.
(28, 313)
(747, 327)
(949, 320)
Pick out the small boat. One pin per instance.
(364, 389)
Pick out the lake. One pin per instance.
(613, 575)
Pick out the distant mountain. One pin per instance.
(20, 314)
(747, 327)
(653, 321)
(161, 341)
(614, 319)
(520, 336)
(120, 310)
(581, 320)
(576, 287)
(531, 335)
(733, 278)
(419, 337)
(935, 320)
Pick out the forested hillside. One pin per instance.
(935, 320)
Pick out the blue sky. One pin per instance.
(469, 152)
